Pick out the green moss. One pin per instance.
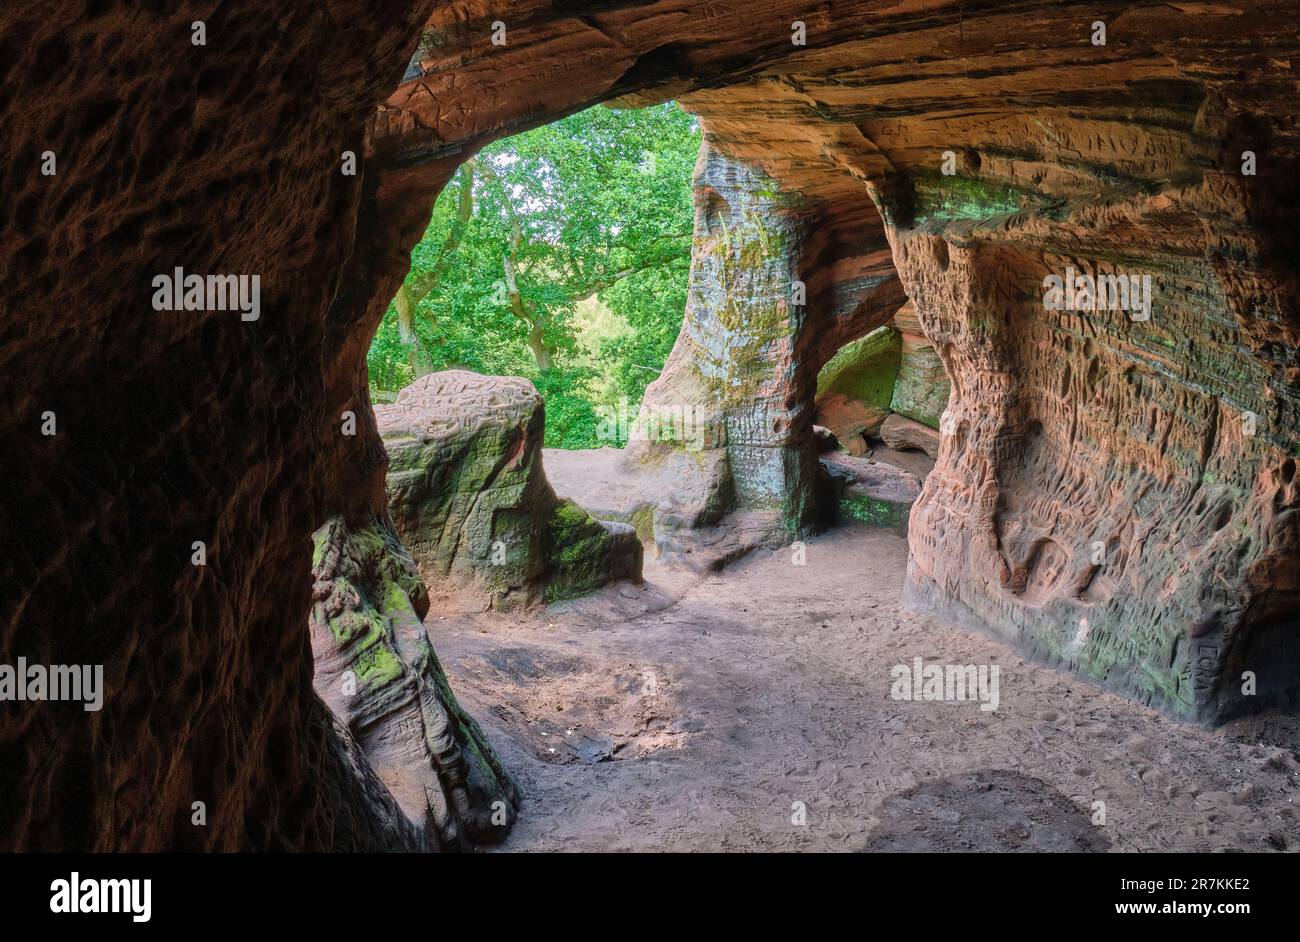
(577, 547)
(319, 541)
(751, 327)
(1105, 655)
(922, 389)
(367, 628)
(378, 666)
(943, 197)
(396, 597)
(864, 370)
(376, 663)
(643, 520)
(877, 513)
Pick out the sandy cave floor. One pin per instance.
(693, 712)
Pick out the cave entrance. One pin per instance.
(674, 323)
(544, 298)
(878, 405)
(598, 387)
(560, 255)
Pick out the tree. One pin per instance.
(595, 205)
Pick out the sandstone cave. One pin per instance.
(986, 379)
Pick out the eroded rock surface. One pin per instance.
(469, 497)
(766, 310)
(378, 672)
(904, 434)
(893, 370)
(872, 491)
(1000, 146)
(921, 388)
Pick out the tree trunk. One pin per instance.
(538, 346)
(415, 356)
(417, 286)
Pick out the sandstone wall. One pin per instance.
(776, 279)
(856, 387)
(921, 388)
(1113, 496)
(177, 427)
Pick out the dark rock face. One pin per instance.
(1169, 441)
(872, 491)
(176, 427)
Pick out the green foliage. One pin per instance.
(593, 209)
(652, 303)
(571, 419)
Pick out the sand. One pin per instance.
(750, 710)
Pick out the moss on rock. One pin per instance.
(469, 496)
(376, 670)
(875, 511)
(864, 369)
(922, 387)
(582, 552)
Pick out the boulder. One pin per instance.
(469, 497)
(872, 491)
(903, 433)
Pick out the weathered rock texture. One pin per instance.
(891, 377)
(905, 434)
(177, 427)
(377, 671)
(921, 388)
(470, 499)
(872, 491)
(1067, 429)
(777, 285)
